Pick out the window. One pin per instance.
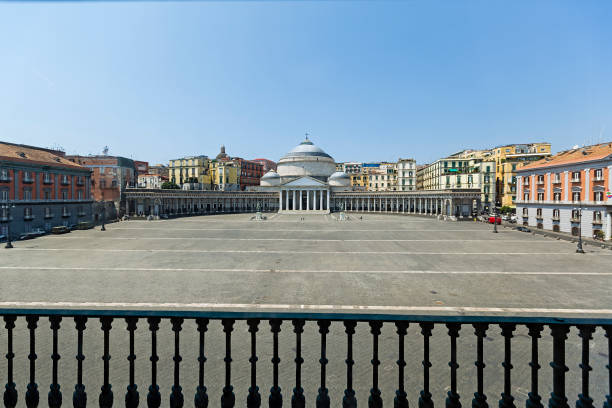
(576, 196)
(80, 194)
(27, 194)
(47, 212)
(101, 170)
(540, 196)
(597, 217)
(27, 212)
(557, 196)
(556, 214)
(598, 196)
(575, 215)
(27, 177)
(526, 196)
(541, 179)
(4, 175)
(525, 212)
(4, 195)
(114, 183)
(539, 213)
(47, 178)
(598, 175)
(103, 183)
(575, 176)
(64, 194)
(557, 178)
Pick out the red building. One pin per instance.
(40, 189)
(250, 172)
(267, 164)
(142, 167)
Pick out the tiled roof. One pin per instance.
(29, 154)
(579, 155)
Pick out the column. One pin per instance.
(327, 193)
(403, 204)
(307, 200)
(566, 174)
(608, 226)
(321, 200)
(368, 204)
(294, 207)
(280, 202)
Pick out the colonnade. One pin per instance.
(304, 200)
(459, 207)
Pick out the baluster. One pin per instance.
(349, 400)
(507, 400)
(254, 398)
(79, 397)
(55, 396)
(323, 397)
(480, 399)
(452, 401)
(557, 397)
(608, 403)
(400, 400)
(106, 394)
(298, 400)
(32, 396)
(425, 400)
(584, 400)
(201, 398)
(228, 399)
(535, 400)
(154, 397)
(375, 401)
(176, 397)
(131, 396)
(10, 394)
(276, 398)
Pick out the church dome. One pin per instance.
(306, 159)
(222, 155)
(271, 178)
(340, 178)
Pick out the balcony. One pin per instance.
(66, 214)
(29, 217)
(540, 182)
(598, 178)
(80, 182)
(575, 219)
(5, 179)
(47, 180)
(5, 218)
(556, 218)
(597, 222)
(48, 216)
(575, 180)
(556, 181)
(309, 342)
(27, 180)
(65, 182)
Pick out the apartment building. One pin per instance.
(40, 189)
(568, 192)
(406, 174)
(466, 169)
(189, 169)
(508, 159)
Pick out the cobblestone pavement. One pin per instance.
(378, 264)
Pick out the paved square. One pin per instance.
(380, 263)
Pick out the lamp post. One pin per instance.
(495, 220)
(103, 213)
(579, 249)
(8, 207)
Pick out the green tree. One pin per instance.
(170, 185)
(506, 210)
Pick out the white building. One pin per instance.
(151, 180)
(406, 174)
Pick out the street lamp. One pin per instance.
(579, 249)
(495, 220)
(8, 207)
(103, 213)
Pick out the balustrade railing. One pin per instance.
(453, 325)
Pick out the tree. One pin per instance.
(506, 209)
(170, 185)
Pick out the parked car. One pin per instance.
(493, 219)
(60, 229)
(84, 225)
(32, 234)
(523, 229)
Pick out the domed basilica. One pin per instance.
(305, 177)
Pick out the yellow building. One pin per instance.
(192, 169)
(224, 174)
(507, 159)
(359, 181)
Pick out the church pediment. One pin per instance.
(305, 182)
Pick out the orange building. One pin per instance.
(568, 192)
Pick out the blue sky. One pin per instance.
(369, 80)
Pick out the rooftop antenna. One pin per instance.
(105, 151)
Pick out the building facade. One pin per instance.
(142, 167)
(569, 192)
(41, 189)
(267, 164)
(250, 172)
(159, 169)
(151, 180)
(110, 176)
(406, 174)
(458, 172)
(190, 169)
(507, 160)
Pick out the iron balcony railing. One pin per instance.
(559, 329)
